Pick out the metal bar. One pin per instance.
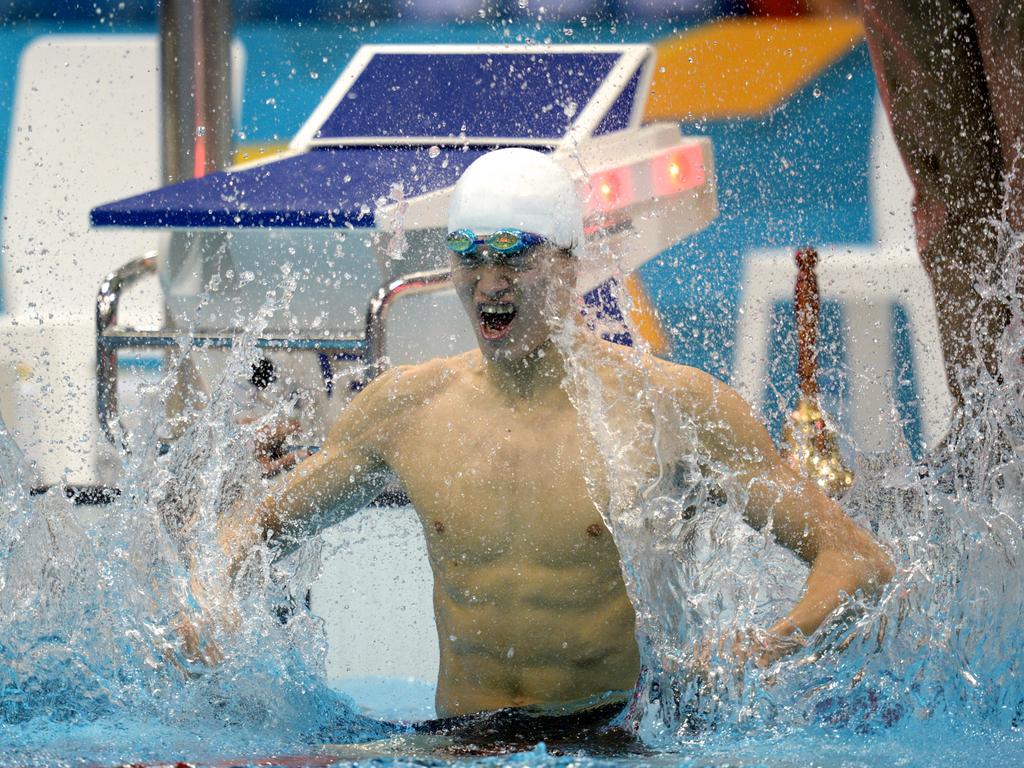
(110, 339)
(377, 312)
(106, 357)
(195, 74)
(124, 339)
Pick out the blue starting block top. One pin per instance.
(453, 95)
(414, 115)
(324, 187)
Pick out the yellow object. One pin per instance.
(643, 317)
(743, 67)
(247, 153)
(813, 449)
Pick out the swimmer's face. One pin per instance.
(516, 308)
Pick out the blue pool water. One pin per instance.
(92, 670)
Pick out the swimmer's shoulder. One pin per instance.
(685, 379)
(406, 388)
(702, 394)
(724, 419)
(694, 390)
(392, 402)
(652, 371)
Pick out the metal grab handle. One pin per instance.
(371, 347)
(107, 301)
(377, 312)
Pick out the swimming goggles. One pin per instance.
(504, 245)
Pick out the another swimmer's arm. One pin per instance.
(342, 477)
(844, 558)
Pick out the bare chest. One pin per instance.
(501, 483)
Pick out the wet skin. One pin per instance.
(529, 597)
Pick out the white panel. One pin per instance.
(48, 398)
(892, 194)
(85, 130)
(376, 598)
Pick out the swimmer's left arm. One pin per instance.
(844, 558)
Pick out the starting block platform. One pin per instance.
(355, 209)
(386, 144)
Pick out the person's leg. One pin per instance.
(932, 80)
(1000, 25)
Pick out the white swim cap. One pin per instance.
(520, 189)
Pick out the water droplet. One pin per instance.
(816, 92)
(434, 151)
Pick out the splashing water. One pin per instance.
(91, 662)
(937, 658)
(91, 665)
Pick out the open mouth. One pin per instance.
(495, 319)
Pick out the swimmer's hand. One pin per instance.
(764, 647)
(761, 647)
(270, 450)
(196, 645)
(213, 612)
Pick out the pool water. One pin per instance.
(91, 670)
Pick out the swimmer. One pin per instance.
(530, 603)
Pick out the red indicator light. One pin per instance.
(678, 170)
(609, 190)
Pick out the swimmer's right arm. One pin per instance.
(347, 472)
(343, 476)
